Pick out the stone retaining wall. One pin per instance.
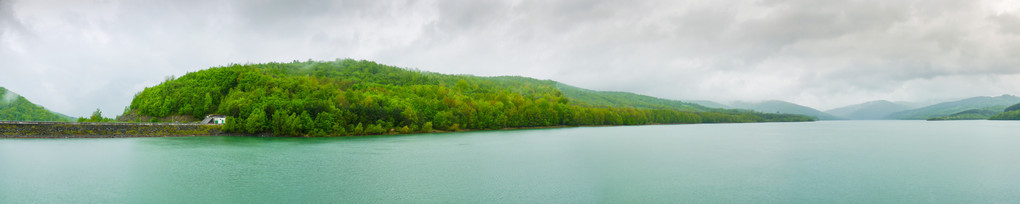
(99, 130)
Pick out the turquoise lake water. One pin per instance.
(813, 162)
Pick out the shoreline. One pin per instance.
(214, 130)
(15, 129)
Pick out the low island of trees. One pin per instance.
(350, 97)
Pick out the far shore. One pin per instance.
(217, 132)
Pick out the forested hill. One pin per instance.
(349, 97)
(580, 96)
(1010, 113)
(14, 107)
(996, 104)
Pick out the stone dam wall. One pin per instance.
(103, 130)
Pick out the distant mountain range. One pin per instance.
(14, 107)
(981, 107)
(995, 104)
(710, 104)
(625, 99)
(771, 106)
(872, 110)
(774, 106)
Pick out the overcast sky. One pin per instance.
(75, 56)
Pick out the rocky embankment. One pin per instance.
(103, 130)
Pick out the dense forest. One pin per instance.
(1010, 113)
(350, 97)
(972, 114)
(14, 107)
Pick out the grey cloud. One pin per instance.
(821, 53)
(8, 23)
(1007, 23)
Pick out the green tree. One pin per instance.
(427, 127)
(307, 123)
(324, 123)
(443, 120)
(207, 104)
(97, 116)
(359, 129)
(255, 123)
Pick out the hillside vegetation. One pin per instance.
(14, 107)
(995, 104)
(580, 96)
(1010, 113)
(349, 97)
(972, 114)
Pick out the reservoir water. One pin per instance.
(813, 162)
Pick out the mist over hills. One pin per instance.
(14, 107)
(776, 106)
(997, 104)
(710, 104)
(1011, 113)
(980, 107)
(872, 110)
(625, 99)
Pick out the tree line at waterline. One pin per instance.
(349, 97)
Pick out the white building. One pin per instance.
(215, 119)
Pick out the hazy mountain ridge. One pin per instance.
(776, 106)
(624, 99)
(710, 104)
(14, 107)
(997, 104)
(981, 107)
(872, 110)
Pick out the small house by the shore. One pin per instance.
(215, 119)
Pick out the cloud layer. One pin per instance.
(74, 56)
